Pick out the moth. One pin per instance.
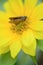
(41, 19)
(17, 20)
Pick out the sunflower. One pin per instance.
(20, 25)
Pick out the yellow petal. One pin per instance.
(5, 39)
(4, 17)
(15, 47)
(31, 50)
(17, 7)
(7, 7)
(36, 25)
(36, 18)
(29, 6)
(8, 10)
(37, 13)
(4, 49)
(5, 33)
(29, 42)
(38, 34)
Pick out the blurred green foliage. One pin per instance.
(6, 59)
(1, 4)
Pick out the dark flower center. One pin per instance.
(19, 24)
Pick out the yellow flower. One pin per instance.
(20, 26)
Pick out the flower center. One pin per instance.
(19, 24)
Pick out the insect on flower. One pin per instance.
(17, 20)
(41, 19)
